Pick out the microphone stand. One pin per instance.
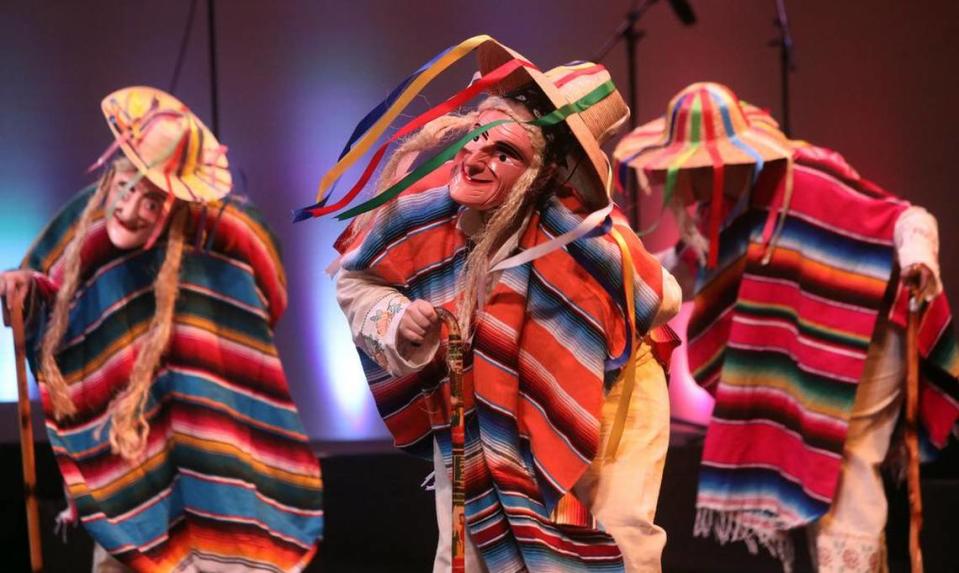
(787, 62)
(214, 84)
(630, 35)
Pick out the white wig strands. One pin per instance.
(129, 428)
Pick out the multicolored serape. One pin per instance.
(782, 347)
(549, 339)
(228, 481)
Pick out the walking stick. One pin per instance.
(454, 359)
(911, 435)
(13, 317)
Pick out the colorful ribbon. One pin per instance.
(319, 209)
(553, 118)
(590, 222)
(397, 105)
(377, 112)
(372, 126)
(629, 371)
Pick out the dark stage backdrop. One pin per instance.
(876, 80)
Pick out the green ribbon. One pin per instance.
(582, 104)
(672, 174)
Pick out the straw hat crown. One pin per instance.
(168, 143)
(563, 85)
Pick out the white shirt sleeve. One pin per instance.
(374, 311)
(917, 241)
(672, 300)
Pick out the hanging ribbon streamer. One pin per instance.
(694, 105)
(553, 118)
(716, 209)
(677, 123)
(719, 183)
(779, 208)
(454, 102)
(629, 371)
(398, 104)
(377, 112)
(590, 222)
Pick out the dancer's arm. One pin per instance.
(401, 335)
(917, 246)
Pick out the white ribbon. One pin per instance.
(591, 221)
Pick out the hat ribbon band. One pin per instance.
(136, 129)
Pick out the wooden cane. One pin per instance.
(14, 318)
(454, 359)
(912, 434)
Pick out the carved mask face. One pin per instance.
(487, 168)
(134, 215)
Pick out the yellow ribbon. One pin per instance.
(629, 374)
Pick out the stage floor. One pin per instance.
(379, 518)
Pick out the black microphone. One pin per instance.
(683, 11)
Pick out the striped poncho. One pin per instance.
(228, 480)
(547, 342)
(782, 347)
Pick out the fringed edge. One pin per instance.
(732, 526)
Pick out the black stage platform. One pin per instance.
(378, 519)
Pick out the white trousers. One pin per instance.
(850, 537)
(622, 494)
(444, 521)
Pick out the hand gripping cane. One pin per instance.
(454, 359)
(911, 434)
(13, 317)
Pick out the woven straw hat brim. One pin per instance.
(204, 181)
(647, 147)
(611, 111)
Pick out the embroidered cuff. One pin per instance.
(379, 338)
(376, 325)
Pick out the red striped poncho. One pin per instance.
(228, 481)
(547, 343)
(782, 347)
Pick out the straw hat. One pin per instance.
(563, 85)
(167, 143)
(707, 126)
